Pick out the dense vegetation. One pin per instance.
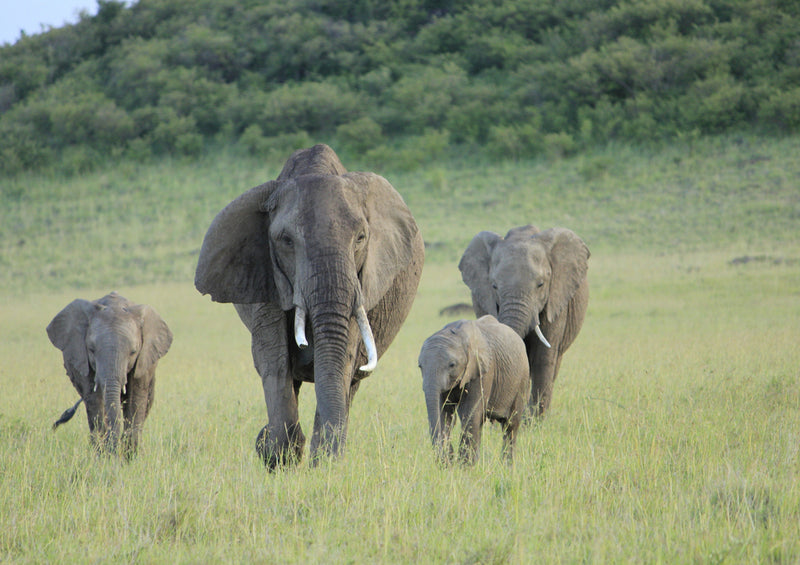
(515, 78)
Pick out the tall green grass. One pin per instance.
(673, 437)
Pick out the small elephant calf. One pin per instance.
(111, 347)
(479, 368)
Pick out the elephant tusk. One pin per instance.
(540, 335)
(369, 340)
(300, 327)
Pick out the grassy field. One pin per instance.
(674, 434)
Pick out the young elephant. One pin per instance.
(480, 368)
(111, 348)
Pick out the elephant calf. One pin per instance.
(111, 347)
(479, 368)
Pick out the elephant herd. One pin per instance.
(322, 266)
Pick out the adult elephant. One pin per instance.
(111, 347)
(535, 282)
(338, 249)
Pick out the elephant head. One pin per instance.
(450, 360)
(534, 282)
(325, 247)
(111, 348)
(525, 276)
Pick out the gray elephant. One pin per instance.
(478, 368)
(111, 348)
(322, 266)
(535, 282)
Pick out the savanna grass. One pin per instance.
(673, 437)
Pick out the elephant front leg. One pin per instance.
(95, 413)
(472, 413)
(136, 408)
(281, 441)
(543, 369)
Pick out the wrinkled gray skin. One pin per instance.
(111, 348)
(478, 368)
(532, 278)
(310, 250)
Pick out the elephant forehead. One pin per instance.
(519, 253)
(114, 321)
(326, 200)
(445, 339)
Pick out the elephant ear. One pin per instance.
(569, 258)
(392, 231)
(474, 267)
(234, 263)
(67, 331)
(156, 339)
(474, 344)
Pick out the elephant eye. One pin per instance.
(452, 364)
(361, 238)
(540, 284)
(286, 240)
(494, 286)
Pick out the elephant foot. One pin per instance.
(281, 452)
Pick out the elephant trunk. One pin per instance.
(517, 315)
(363, 326)
(436, 424)
(333, 299)
(112, 376)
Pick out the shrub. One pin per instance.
(782, 110)
(309, 106)
(253, 140)
(361, 135)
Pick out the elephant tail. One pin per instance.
(67, 415)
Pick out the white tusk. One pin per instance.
(300, 327)
(369, 340)
(540, 335)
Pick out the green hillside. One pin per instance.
(510, 78)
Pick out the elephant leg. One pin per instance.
(543, 368)
(472, 414)
(510, 427)
(95, 413)
(135, 409)
(281, 441)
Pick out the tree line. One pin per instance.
(512, 78)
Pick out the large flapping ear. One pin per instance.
(317, 160)
(234, 263)
(156, 339)
(392, 232)
(474, 266)
(67, 331)
(569, 258)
